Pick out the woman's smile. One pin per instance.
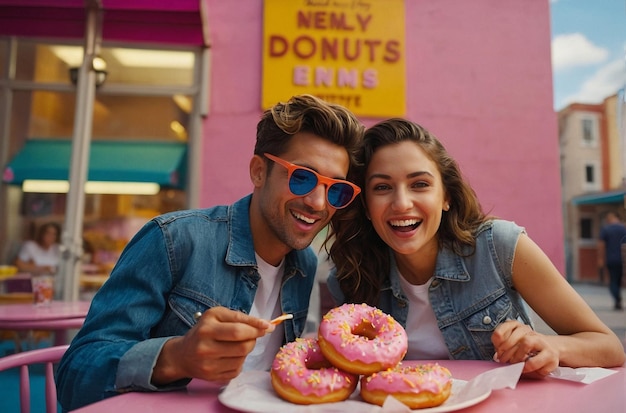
(405, 196)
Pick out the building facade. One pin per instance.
(591, 138)
(477, 74)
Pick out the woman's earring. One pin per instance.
(447, 207)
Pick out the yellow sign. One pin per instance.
(350, 52)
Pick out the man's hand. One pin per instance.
(214, 349)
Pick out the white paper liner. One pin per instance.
(252, 392)
(585, 375)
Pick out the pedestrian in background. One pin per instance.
(612, 240)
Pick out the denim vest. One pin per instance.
(176, 265)
(469, 295)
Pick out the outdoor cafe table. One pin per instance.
(548, 395)
(58, 316)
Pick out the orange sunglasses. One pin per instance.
(302, 181)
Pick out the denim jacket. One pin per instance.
(176, 265)
(470, 295)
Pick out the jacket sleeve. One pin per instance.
(114, 352)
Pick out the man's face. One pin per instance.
(289, 221)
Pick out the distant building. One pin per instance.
(592, 144)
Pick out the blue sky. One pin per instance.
(588, 50)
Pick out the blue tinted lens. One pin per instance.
(302, 182)
(340, 194)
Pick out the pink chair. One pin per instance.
(47, 356)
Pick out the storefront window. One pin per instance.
(148, 95)
(45, 114)
(140, 117)
(149, 67)
(42, 114)
(53, 63)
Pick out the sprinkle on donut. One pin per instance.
(361, 339)
(301, 374)
(419, 386)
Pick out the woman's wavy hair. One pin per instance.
(361, 257)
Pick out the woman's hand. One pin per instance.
(516, 342)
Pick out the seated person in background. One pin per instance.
(419, 247)
(192, 293)
(41, 256)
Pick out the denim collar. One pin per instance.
(240, 250)
(449, 266)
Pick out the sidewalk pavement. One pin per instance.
(601, 302)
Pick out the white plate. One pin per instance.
(453, 403)
(252, 392)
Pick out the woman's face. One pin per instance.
(50, 236)
(405, 197)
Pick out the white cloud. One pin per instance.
(604, 83)
(574, 49)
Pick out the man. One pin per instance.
(612, 239)
(192, 293)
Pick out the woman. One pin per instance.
(41, 256)
(420, 248)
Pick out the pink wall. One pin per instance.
(478, 76)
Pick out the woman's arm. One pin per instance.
(582, 340)
(31, 267)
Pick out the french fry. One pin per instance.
(281, 318)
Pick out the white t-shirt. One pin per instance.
(266, 305)
(425, 339)
(31, 251)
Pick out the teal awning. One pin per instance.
(120, 161)
(611, 197)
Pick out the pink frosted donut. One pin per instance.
(300, 374)
(426, 385)
(361, 339)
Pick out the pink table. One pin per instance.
(58, 316)
(549, 395)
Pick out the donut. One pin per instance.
(361, 339)
(300, 374)
(420, 386)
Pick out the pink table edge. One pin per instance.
(557, 396)
(59, 317)
(57, 310)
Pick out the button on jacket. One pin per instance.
(470, 295)
(177, 264)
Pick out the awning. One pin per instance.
(181, 22)
(164, 163)
(610, 197)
